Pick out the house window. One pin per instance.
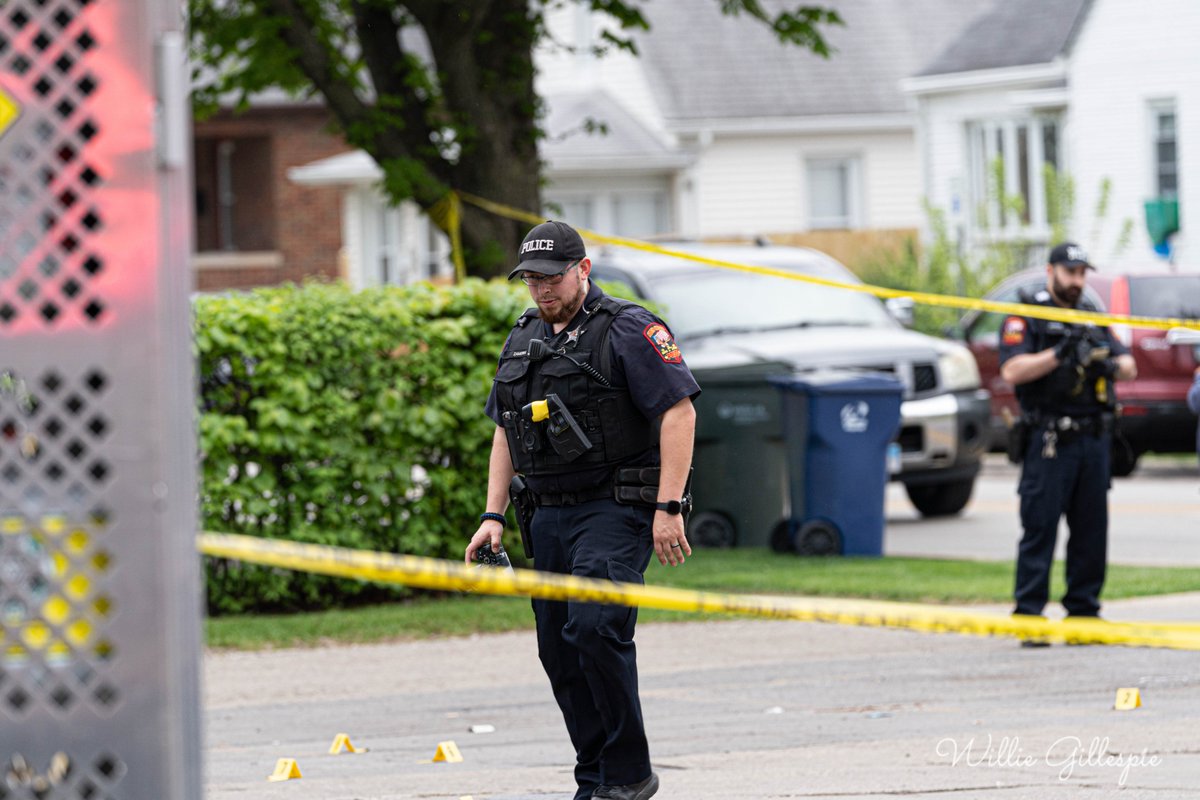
(640, 215)
(388, 261)
(235, 201)
(1008, 164)
(1166, 151)
(632, 213)
(576, 211)
(832, 192)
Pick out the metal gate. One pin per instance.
(99, 590)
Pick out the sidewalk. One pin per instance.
(1183, 607)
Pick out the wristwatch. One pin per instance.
(672, 507)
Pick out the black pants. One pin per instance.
(587, 649)
(1075, 482)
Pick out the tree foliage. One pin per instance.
(439, 93)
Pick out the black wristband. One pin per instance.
(494, 517)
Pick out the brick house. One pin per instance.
(255, 226)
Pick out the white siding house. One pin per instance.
(715, 129)
(1098, 89)
(382, 244)
(783, 141)
(1135, 116)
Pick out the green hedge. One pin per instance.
(345, 418)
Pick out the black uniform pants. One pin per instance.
(1074, 482)
(587, 649)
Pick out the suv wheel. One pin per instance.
(941, 499)
(1123, 459)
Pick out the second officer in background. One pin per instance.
(1063, 374)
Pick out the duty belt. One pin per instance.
(630, 486)
(574, 498)
(1093, 424)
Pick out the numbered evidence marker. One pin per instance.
(285, 770)
(1128, 699)
(341, 743)
(448, 752)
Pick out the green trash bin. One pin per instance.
(739, 479)
(1162, 218)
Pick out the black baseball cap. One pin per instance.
(1069, 254)
(549, 248)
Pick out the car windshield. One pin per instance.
(723, 301)
(1166, 296)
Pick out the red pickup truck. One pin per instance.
(1154, 412)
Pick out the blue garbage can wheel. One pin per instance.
(818, 537)
(711, 529)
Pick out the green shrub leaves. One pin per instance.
(346, 418)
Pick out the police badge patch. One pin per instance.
(1014, 330)
(663, 342)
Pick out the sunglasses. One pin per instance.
(534, 278)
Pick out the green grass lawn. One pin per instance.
(742, 571)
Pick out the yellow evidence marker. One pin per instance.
(341, 743)
(1128, 699)
(448, 752)
(285, 770)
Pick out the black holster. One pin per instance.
(522, 500)
(1018, 439)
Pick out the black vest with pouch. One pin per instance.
(618, 431)
(1063, 391)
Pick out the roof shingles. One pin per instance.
(1015, 33)
(704, 65)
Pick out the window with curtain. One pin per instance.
(833, 192)
(1008, 164)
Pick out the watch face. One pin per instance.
(671, 506)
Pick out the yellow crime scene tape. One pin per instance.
(430, 573)
(925, 298)
(443, 575)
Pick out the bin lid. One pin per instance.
(741, 375)
(839, 381)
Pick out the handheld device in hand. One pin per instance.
(487, 558)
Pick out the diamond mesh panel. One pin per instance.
(47, 262)
(98, 587)
(54, 565)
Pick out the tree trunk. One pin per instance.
(486, 72)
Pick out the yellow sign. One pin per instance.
(1128, 699)
(9, 111)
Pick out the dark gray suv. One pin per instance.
(737, 328)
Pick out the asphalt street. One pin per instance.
(738, 709)
(756, 709)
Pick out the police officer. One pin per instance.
(1193, 401)
(1063, 374)
(618, 373)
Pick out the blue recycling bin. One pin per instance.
(838, 426)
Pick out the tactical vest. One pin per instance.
(1063, 390)
(613, 424)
